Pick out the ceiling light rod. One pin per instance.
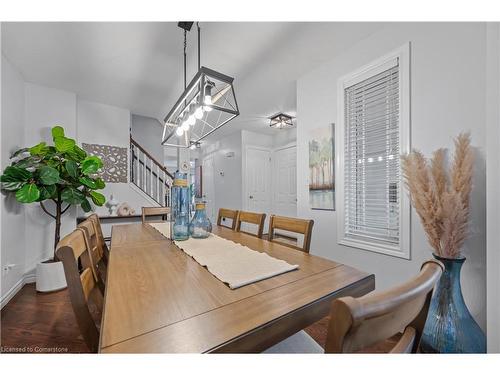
(208, 91)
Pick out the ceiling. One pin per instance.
(138, 65)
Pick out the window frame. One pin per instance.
(402, 54)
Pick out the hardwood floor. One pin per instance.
(44, 323)
(40, 323)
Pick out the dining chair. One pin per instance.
(251, 218)
(84, 285)
(359, 323)
(290, 224)
(100, 237)
(154, 211)
(225, 213)
(99, 260)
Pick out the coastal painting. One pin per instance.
(321, 168)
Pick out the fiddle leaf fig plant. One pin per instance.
(62, 173)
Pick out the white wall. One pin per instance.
(147, 131)
(447, 96)
(12, 213)
(227, 187)
(108, 125)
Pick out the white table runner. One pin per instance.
(230, 262)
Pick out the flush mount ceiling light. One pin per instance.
(206, 104)
(281, 121)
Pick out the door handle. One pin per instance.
(251, 197)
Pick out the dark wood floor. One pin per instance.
(44, 323)
(40, 323)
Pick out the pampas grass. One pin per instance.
(441, 198)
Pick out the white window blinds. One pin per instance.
(371, 158)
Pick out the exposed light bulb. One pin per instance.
(185, 125)
(179, 131)
(208, 99)
(193, 146)
(191, 120)
(198, 113)
(207, 109)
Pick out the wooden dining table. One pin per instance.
(160, 300)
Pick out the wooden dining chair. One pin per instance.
(294, 225)
(100, 237)
(359, 323)
(251, 218)
(95, 246)
(154, 211)
(84, 285)
(225, 213)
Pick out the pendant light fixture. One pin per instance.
(207, 103)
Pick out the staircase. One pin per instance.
(149, 175)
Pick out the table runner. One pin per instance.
(230, 262)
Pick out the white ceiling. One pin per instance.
(138, 65)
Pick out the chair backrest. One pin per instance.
(93, 243)
(83, 284)
(100, 237)
(356, 323)
(291, 224)
(252, 218)
(225, 213)
(154, 211)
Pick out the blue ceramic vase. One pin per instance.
(450, 328)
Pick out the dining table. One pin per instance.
(160, 300)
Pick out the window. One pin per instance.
(373, 132)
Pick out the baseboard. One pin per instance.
(26, 279)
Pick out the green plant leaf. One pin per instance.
(57, 131)
(31, 161)
(18, 152)
(87, 181)
(64, 144)
(47, 192)
(15, 174)
(48, 175)
(91, 164)
(86, 206)
(72, 195)
(77, 153)
(99, 183)
(72, 168)
(11, 186)
(97, 198)
(39, 149)
(28, 193)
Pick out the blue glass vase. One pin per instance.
(200, 226)
(180, 207)
(450, 328)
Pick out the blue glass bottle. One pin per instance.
(450, 328)
(200, 226)
(180, 207)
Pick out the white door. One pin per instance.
(285, 181)
(208, 186)
(258, 181)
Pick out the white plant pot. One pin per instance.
(50, 276)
